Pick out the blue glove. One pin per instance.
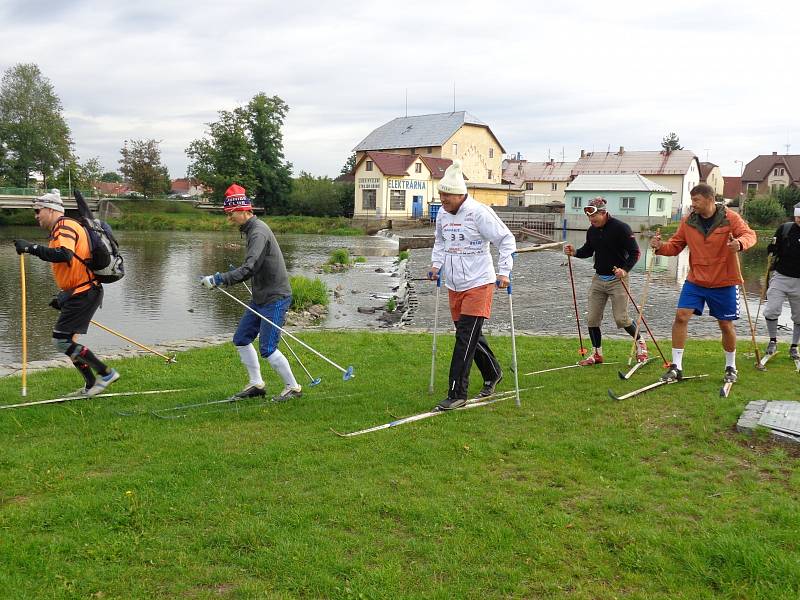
(211, 281)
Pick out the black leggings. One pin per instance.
(470, 345)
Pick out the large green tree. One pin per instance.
(141, 166)
(245, 146)
(32, 128)
(111, 177)
(77, 174)
(671, 142)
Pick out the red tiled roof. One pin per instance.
(760, 167)
(112, 189)
(437, 166)
(705, 170)
(390, 164)
(732, 187)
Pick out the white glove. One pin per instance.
(209, 281)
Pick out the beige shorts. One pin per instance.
(599, 293)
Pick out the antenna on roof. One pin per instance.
(406, 102)
(787, 148)
(454, 96)
(706, 149)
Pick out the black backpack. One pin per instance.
(106, 263)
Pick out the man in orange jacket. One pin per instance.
(714, 234)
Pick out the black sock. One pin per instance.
(82, 354)
(595, 337)
(631, 329)
(84, 370)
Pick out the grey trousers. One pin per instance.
(782, 288)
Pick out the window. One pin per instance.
(489, 176)
(529, 186)
(397, 200)
(418, 168)
(627, 203)
(369, 165)
(413, 151)
(659, 204)
(430, 149)
(554, 187)
(779, 171)
(491, 152)
(455, 150)
(577, 202)
(368, 199)
(752, 186)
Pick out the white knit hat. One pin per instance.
(452, 181)
(51, 199)
(797, 210)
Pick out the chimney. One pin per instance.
(622, 149)
(583, 153)
(774, 154)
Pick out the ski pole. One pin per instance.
(513, 341)
(314, 380)
(644, 321)
(347, 373)
(643, 301)
(765, 288)
(583, 350)
(134, 342)
(758, 364)
(24, 326)
(435, 327)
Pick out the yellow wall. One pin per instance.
(384, 187)
(489, 197)
(474, 143)
(714, 179)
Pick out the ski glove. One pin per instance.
(211, 281)
(23, 246)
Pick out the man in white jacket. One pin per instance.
(464, 230)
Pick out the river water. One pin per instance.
(160, 300)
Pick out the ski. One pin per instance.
(567, 367)
(636, 367)
(797, 364)
(68, 398)
(652, 386)
(475, 403)
(725, 390)
(766, 358)
(160, 413)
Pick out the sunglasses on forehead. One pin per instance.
(590, 210)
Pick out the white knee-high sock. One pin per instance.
(278, 362)
(677, 357)
(249, 358)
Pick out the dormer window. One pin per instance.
(418, 168)
(368, 166)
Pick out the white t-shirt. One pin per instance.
(461, 247)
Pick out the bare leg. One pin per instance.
(680, 327)
(728, 335)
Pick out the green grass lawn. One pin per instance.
(570, 496)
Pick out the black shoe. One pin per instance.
(251, 391)
(673, 373)
(488, 388)
(731, 375)
(451, 403)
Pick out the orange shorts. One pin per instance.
(476, 302)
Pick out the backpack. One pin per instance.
(106, 263)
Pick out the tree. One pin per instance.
(349, 166)
(765, 211)
(111, 177)
(141, 165)
(788, 197)
(78, 175)
(32, 127)
(320, 197)
(671, 142)
(245, 146)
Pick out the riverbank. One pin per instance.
(569, 495)
(166, 215)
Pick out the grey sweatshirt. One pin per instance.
(263, 264)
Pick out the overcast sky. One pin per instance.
(545, 76)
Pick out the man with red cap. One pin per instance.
(272, 296)
(615, 251)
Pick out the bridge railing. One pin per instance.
(35, 192)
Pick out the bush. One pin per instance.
(764, 211)
(306, 292)
(340, 256)
(403, 255)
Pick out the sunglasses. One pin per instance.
(590, 210)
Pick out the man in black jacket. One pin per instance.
(272, 296)
(615, 251)
(785, 282)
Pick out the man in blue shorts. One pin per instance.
(713, 234)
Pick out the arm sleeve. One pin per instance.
(742, 232)
(256, 245)
(631, 248)
(493, 229)
(675, 244)
(437, 255)
(54, 255)
(586, 250)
